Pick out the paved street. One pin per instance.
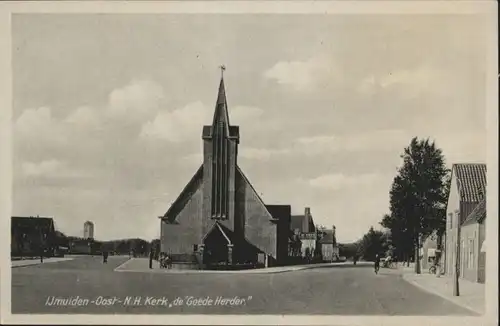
(345, 291)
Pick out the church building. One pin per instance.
(219, 218)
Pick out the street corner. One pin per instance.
(135, 264)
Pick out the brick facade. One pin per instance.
(241, 221)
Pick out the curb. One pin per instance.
(252, 271)
(39, 263)
(458, 303)
(27, 265)
(124, 263)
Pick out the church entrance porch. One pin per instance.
(217, 248)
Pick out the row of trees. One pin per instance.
(418, 198)
(138, 246)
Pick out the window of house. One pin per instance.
(470, 260)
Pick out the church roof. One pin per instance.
(185, 195)
(244, 177)
(32, 222)
(223, 230)
(221, 116)
(472, 181)
(192, 187)
(220, 113)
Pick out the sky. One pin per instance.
(108, 110)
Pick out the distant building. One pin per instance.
(467, 192)
(30, 235)
(282, 214)
(329, 246)
(303, 227)
(88, 230)
(429, 251)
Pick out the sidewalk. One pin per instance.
(472, 295)
(32, 262)
(142, 265)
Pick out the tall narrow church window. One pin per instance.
(219, 172)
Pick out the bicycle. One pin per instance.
(433, 269)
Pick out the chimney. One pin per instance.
(307, 216)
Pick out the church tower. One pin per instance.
(218, 216)
(220, 142)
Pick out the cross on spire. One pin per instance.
(222, 68)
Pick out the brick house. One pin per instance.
(219, 218)
(303, 227)
(468, 184)
(329, 246)
(29, 235)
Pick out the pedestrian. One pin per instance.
(105, 256)
(151, 255)
(169, 261)
(377, 263)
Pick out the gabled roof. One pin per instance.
(478, 215)
(471, 179)
(297, 222)
(32, 222)
(244, 177)
(184, 196)
(222, 230)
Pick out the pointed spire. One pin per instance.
(221, 114)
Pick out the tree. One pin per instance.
(373, 243)
(401, 237)
(418, 196)
(348, 250)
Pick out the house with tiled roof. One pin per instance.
(328, 243)
(467, 192)
(302, 226)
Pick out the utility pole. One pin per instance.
(417, 255)
(456, 285)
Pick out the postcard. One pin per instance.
(239, 162)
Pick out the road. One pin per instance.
(342, 291)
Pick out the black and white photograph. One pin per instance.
(251, 163)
